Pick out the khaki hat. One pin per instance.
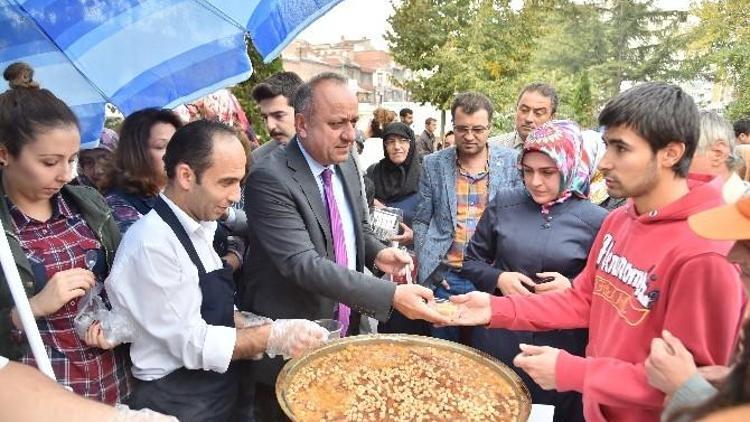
(728, 222)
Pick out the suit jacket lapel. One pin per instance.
(302, 174)
(448, 168)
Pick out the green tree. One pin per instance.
(582, 102)
(459, 45)
(612, 41)
(242, 91)
(718, 49)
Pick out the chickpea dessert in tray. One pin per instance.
(400, 378)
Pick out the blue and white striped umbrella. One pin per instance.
(144, 53)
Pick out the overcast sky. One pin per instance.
(354, 19)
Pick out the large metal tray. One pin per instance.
(287, 373)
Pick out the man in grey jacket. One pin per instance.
(310, 237)
(455, 186)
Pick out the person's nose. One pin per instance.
(67, 171)
(236, 193)
(349, 134)
(606, 163)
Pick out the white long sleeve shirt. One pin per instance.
(154, 282)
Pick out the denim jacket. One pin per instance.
(435, 217)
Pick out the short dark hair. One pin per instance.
(660, 113)
(471, 102)
(282, 83)
(405, 112)
(742, 126)
(131, 168)
(448, 133)
(546, 90)
(303, 96)
(193, 144)
(429, 120)
(26, 110)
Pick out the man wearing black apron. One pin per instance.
(170, 282)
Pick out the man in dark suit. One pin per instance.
(309, 236)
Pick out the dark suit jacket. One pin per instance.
(290, 271)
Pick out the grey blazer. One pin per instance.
(289, 270)
(435, 217)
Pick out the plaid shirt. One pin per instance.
(471, 199)
(60, 244)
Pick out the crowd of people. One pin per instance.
(597, 264)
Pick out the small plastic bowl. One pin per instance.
(333, 326)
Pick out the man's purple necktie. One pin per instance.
(339, 245)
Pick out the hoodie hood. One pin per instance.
(705, 193)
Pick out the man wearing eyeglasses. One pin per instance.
(456, 185)
(536, 104)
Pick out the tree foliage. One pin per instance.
(611, 41)
(718, 49)
(460, 45)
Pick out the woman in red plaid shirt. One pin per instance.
(51, 226)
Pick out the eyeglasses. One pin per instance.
(476, 130)
(392, 142)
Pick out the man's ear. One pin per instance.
(184, 176)
(4, 155)
(300, 125)
(672, 154)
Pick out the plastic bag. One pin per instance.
(292, 337)
(125, 414)
(116, 326)
(89, 308)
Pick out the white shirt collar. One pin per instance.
(315, 167)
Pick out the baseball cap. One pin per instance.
(727, 222)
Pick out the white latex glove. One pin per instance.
(125, 414)
(292, 337)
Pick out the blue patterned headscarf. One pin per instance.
(561, 141)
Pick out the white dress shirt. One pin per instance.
(345, 209)
(154, 282)
(3, 362)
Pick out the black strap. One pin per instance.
(141, 204)
(170, 218)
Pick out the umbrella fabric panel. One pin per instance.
(134, 46)
(21, 39)
(134, 54)
(273, 24)
(144, 53)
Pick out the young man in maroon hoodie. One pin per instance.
(646, 272)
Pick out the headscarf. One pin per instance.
(561, 140)
(396, 181)
(593, 152)
(109, 140)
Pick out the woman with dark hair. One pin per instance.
(533, 240)
(137, 173)
(63, 239)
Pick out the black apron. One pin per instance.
(195, 395)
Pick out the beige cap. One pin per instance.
(728, 222)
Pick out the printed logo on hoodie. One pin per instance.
(632, 306)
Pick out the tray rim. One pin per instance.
(295, 364)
